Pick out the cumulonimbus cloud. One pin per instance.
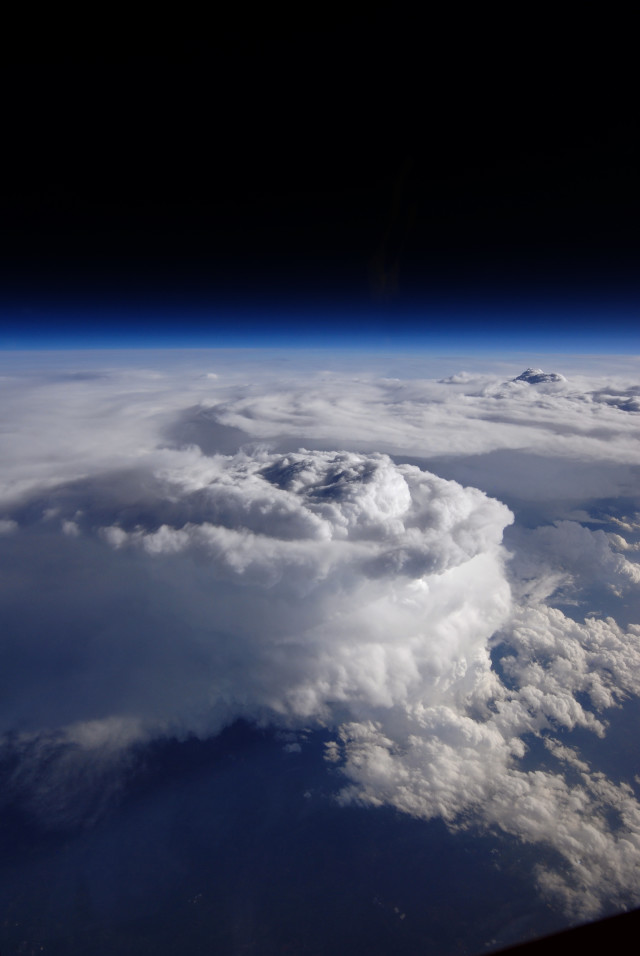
(340, 578)
(168, 567)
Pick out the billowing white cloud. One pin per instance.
(569, 555)
(342, 577)
(448, 763)
(182, 547)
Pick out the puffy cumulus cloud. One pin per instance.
(556, 656)
(439, 760)
(568, 555)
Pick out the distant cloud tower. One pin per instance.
(535, 376)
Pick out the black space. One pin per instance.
(362, 159)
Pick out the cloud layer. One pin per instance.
(174, 554)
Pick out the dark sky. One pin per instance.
(366, 163)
